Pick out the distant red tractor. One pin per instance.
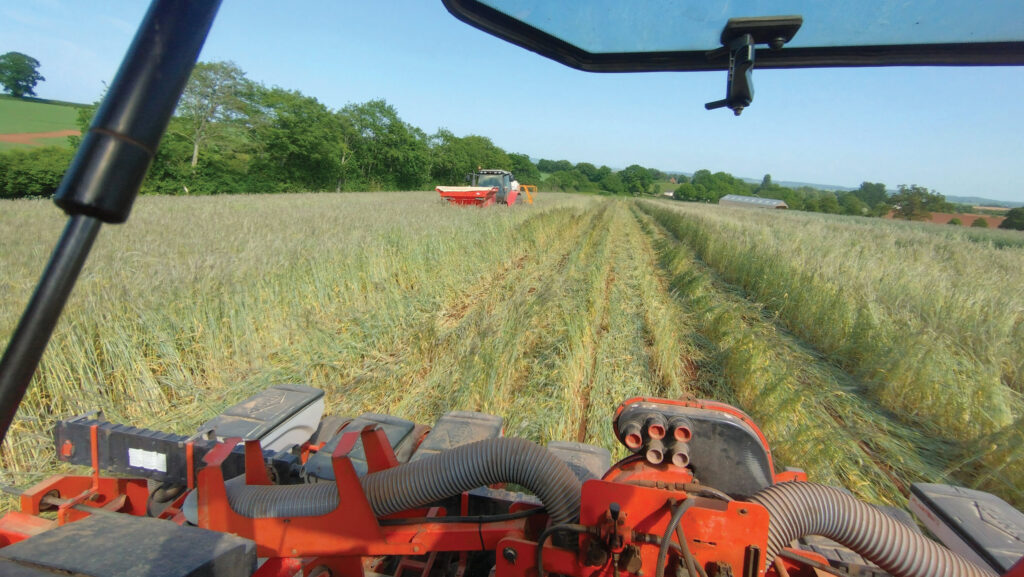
(487, 187)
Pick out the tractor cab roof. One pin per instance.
(652, 35)
(730, 35)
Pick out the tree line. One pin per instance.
(231, 134)
(909, 202)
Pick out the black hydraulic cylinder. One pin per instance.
(115, 154)
(33, 332)
(105, 175)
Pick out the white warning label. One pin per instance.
(144, 459)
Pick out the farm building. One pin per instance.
(738, 200)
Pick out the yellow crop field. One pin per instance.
(872, 354)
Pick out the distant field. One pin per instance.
(965, 218)
(666, 186)
(872, 353)
(19, 116)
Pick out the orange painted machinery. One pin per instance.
(271, 489)
(486, 187)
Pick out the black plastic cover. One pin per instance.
(586, 461)
(146, 453)
(116, 545)
(458, 428)
(990, 526)
(397, 430)
(261, 413)
(764, 29)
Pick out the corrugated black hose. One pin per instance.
(503, 460)
(800, 509)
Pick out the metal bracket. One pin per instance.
(739, 88)
(738, 41)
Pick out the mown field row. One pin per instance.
(548, 315)
(915, 338)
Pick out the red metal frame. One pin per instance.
(18, 526)
(79, 491)
(75, 494)
(792, 568)
(477, 197)
(716, 531)
(350, 541)
(352, 529)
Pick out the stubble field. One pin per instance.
(872, 354)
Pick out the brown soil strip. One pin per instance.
(31, 137)
(965, 218)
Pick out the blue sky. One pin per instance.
(957, 131)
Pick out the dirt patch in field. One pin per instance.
(30, 138)
(965, 218)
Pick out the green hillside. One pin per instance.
(18, 116)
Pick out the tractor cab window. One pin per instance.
(489, 180)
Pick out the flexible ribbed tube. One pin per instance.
(503, 460)
(800, 509)
(428, 480)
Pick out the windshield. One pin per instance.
(489, 180)
(612, 26)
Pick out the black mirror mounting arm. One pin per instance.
(739, 39)
(105, 175)
(739, 88)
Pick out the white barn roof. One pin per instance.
(738, 200)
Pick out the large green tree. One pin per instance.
(853, 205)
(298, 141)
(449, 160)
(612, 183)
(453, 157)
(571, 181)
(720, 184)
(389, 153)
(589, 170)
(828, 203)
(694, 193)
(872, 193)
(524, 169)
(19, 74)
(916, 202)
(638, 180)
(217, 95)
(1014, 219)
(545, 165)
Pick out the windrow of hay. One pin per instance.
(549, 315)
(934, 324)
(197, 303)
(898, 437)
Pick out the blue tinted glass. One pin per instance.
(662, 25)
